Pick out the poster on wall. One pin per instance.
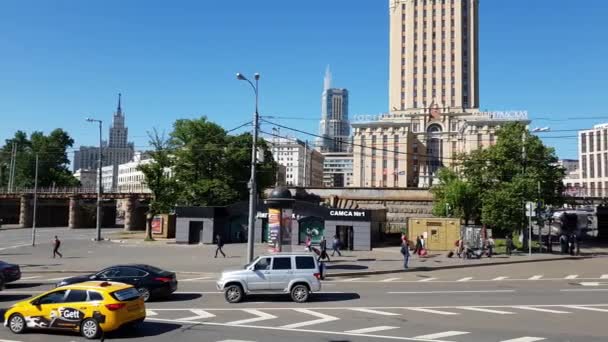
(286, 230)
(274, 227)
(157, 225)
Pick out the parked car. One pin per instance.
(8, 273)
(295, 273)
(150, 281)
(90, 308)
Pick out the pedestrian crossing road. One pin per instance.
(377, 323)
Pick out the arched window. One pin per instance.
(434, 128)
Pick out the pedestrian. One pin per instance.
(308, 243)
(422, 246)
(335, 246)
(56, 245)
(563, 243)
(405, 251)
(509, 244)
(490, 245)
(418, 246)
(220, 244)
(323, 245)
(572, 243)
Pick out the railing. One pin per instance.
(77, 190)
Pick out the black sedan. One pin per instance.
(8, 273)
(150, 281)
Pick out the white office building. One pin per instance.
(304, 165)
(337, 170)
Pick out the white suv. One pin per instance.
(295, 273)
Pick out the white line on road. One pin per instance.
(55, 279)
(583, 290)
(372, 329)
(531, 308)
(390, 279)
(452, 292)
(536, 277)
(572, 276)
(499, 278)
(322, 319)
(604, 276)
(525, 339)
(585, 308)
(262, 316)
(442, 335)
(465, 279)
(9, 341)
(499, 312)
(200, 314)
(377, 312)
(151, 313)
(437, 312)
(32, 277)
(351, 279)
(16, 246)
(195, 279)
(427, 279)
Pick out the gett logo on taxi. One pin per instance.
(70, 314)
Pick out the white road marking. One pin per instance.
(195, 279)
(151, 313)
(390, 279)
(585, 308)
(525, 339)
(590, 283)
(499, 278)
(234, 341)
(584, 290)
(372, 329)
(427, 279)
(437, 312)
(200, 314)
(16, 246)
(604, 276)
(9, 341)
(310, 331)
(536, 277)
(499, 312)
(377, 312)
(322, 319)
(532, 308)
(55, 279)
(448, 292)
(262, 316)
(32, 277)
(351, 279)
(572, 276)
(465, 279)
(442, 335)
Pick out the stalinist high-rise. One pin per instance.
(434, 54)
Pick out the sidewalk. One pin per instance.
(89, 256)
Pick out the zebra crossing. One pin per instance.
(462, 279)
(358, 321)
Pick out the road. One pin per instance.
(513, 303)
(17, 238)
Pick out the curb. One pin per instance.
(429, 269)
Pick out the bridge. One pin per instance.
(72, 207)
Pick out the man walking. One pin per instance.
(335, 246)
(220, 244)
(323, 245)
(405, 251)
(56, 245)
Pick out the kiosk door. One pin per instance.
(346, 236)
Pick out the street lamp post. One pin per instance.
(99, 166)
(252, 181)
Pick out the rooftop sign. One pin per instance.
(512, 115)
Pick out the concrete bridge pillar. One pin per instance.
(74, 216)
(26, 214)
(130, 213)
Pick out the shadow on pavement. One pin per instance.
(180, 297)
(23, 285)
(315, 297)
(346, 267)
(146, 329)
(12, 298)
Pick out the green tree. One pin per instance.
(456, 197)
(498, 180)
(52, 154)
(158, 178)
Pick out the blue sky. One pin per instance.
(65, 60)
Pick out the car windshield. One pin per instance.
(126, 294)
(251, 263)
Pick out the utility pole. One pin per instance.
(524, 157)
(540, 220)
(11, 174)
(252, 181)
(305, 163)
(99, 174)
(35, 203)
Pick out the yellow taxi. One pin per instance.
(89, 308)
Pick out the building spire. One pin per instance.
(119, 109)
(327, 79)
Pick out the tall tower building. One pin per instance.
(334, 125)
(433, 54)
(118, 131)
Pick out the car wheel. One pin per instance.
(233, 294)
(300, 293)
(89, 328)
(145, 293)
(16, 323)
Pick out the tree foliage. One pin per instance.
(53, 159)
(491, 185)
